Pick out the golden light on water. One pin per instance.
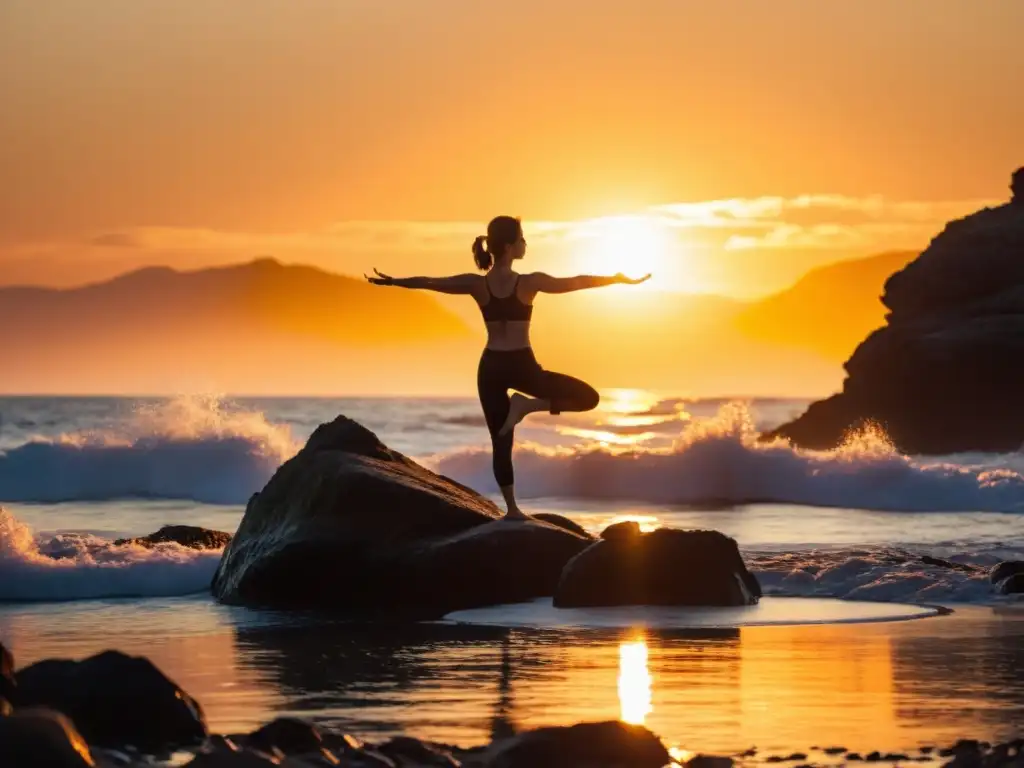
(627, 401)
(634, 682)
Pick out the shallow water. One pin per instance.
(888, 686)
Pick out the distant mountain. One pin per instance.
(240, 328)
(266, 328)
(829, 310)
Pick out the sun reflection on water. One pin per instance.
(634, 682)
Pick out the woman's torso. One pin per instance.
(507, 311)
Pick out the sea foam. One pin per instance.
(195, 448)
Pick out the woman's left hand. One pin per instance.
(380, 279)
(632, 281)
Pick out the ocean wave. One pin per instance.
(719, 460)
(195, 448)
(81, 566)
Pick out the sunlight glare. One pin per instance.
(634, 245)
(634, 682)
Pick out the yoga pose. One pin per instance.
(506, 301)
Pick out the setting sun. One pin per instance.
(633, 245)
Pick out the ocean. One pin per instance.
(77, 473)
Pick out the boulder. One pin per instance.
(945, 372)
(115, 701)
(190, 536)
(618, 531)
(611, 743)
(350, 525)
(41, 738)
(1005, 570)
(288, 735)
(663, 567)
(1012, 585)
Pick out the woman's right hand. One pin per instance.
(631, 280)
(380, 279)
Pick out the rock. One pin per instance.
(7, 683)
(190, 536)
(41, 738)
(413, 752)
(709, 761)
(1014, 585)
(562, 522)
(626, 530)
(663, 567)
(611, 743)
(350, 525)
(290, 735)
(945, 372)
(240, 759)
(1005, 570)
(115, 701)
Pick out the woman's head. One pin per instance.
(504, 239)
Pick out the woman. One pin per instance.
(506, 299)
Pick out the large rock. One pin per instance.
(190, 536)
(115, 701)
(40, 738)
(611, 743)
(663, 567)
(945, 373)
(352, 526)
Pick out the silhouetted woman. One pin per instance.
(506, 301)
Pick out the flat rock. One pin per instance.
(595, 745)
(38, 737)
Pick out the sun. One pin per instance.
(634, 245)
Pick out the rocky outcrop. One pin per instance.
(663, 567)
(7, 681)
(946, 371)
(190, 536)
(115, 700)
(352, 526)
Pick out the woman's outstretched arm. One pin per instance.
(543, 283)
(455, 284)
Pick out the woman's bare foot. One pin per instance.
(515, 513)
(518, 409)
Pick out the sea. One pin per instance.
(858, 639)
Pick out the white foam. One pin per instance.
(194, 448)
(80, 566)
(719, 460)
(777, 611)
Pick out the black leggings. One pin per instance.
(518, 369)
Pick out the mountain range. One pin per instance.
(264, 327)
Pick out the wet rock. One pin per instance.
(835, 750)
(115, 700)
(352, 526)
(238, 759)
(663, 567)
(290, 735)
(405, 751)
(591, 744)
(190, 536)
(41, 738)
(945, 372)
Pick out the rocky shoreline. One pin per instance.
(115, 710)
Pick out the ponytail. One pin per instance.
(481, 255)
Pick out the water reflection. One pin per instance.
(634, 682)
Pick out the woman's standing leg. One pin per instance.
(493, 387)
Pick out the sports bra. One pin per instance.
(507, 308)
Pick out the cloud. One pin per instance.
(115, 240)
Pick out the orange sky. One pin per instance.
(344, 132)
